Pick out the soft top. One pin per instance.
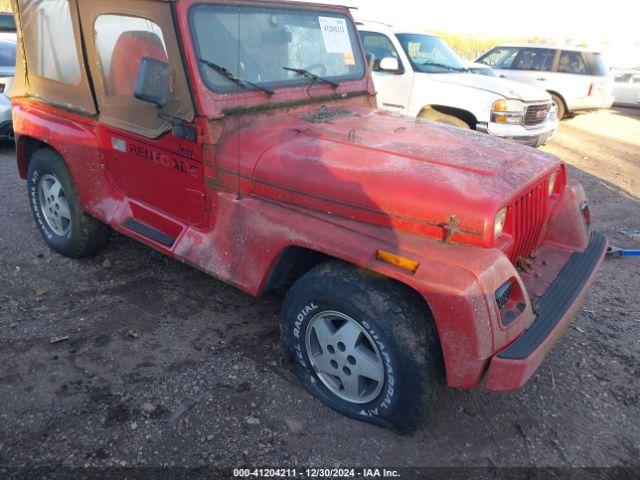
(60, 61)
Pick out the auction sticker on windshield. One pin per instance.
(336, 35)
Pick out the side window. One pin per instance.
(572, 62)
(623, 78)
(535, 59)
(49, 40)
(635, 78)
(378, 46)
(500, 57)
(122, 42)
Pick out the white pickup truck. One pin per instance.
(420, 75)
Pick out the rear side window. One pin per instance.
(572, 62)
(500, 57)
(122, 42)
(535, 59)
(635, 78)
(623, 78)
(378, 46)
(49, 41)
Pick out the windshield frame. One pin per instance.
(418, 68)
(297, 82)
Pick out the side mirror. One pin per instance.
(390, 64)
(153, 81)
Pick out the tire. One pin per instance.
(77, 235)
(433, 115)
(562, 111)
(390, 319)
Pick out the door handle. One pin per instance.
(542, 79)
(503, 76)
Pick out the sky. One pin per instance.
(616, 22)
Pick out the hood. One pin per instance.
(499, 86)
(385, 169)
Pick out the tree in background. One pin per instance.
(471, 47)
(5, 6)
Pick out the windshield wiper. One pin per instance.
(312, 76)
(230, 76)
(443, 65)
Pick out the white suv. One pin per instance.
(577, 79)
(419, 75)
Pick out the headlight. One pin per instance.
(508, 111)
(501, 219)
(552, 183)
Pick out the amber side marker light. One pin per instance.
(398, 261)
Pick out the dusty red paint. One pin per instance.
(255, 183)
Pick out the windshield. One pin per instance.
(430, 54)
(265, 47)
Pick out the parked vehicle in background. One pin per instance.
(411, 252)
(7, 72)
(420, 75)
(577, 79)
(482, 69)
(627, 88)
(7, 22)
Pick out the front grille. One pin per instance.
(536, 114)
(527, 216)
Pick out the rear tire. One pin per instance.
(364, 345)
(562, 111)
(57, 210)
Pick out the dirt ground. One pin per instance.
(104, 398)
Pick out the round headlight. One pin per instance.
(501, 219)
(552, 183)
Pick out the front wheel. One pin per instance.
(57, 210)
(363, 345)
(562, 112)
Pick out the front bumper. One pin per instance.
(533, 137)
(514, 366)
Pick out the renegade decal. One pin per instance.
(164, 160)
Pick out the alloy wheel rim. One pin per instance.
(54, 205)
(345, 357)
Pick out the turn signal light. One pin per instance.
(398, 261)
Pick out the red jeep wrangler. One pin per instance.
(242, 137)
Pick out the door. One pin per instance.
(161, 173)
(394, 88)
(574, 80)
(534, 66)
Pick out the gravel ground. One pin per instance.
(166, 366)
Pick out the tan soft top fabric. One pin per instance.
(117, 108)
(76, 97)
